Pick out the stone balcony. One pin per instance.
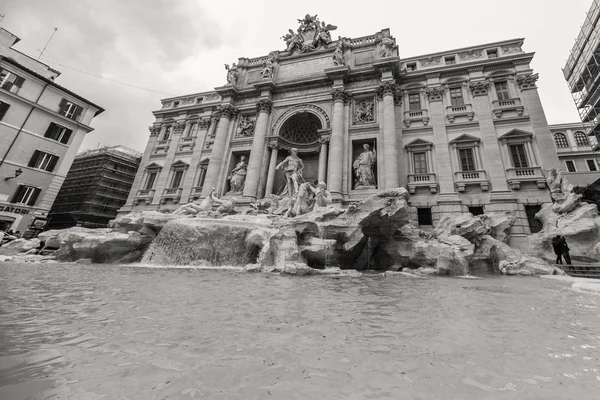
(465, 110)
(144, 195)
(516, 176)
(161, 146)
(501, 106)
(173, 194)
(418, 116)
(477, 177)
(428, 180)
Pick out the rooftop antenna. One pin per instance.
(44, 49)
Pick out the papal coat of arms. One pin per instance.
(311, 34)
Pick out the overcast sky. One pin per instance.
(176, 47)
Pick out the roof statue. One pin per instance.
(310, 35)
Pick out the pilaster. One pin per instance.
(200, 131)
(263, 108)
(272, 164)
(228, 112)
(387, 92)
(138, 181)
(335, 173)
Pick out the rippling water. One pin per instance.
(101, 332)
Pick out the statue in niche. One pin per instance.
(268, 67)
(387, 45)
(232, 74)
(238, 176)
(293, 40)
(293, 173)
(364, 112)
(363, 167)
(338, 54)
(246, 126)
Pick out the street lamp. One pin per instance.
(17, 173)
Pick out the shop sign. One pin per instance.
(14, 210)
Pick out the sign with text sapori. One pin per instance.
(14, 210)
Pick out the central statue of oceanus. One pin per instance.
(292, 169)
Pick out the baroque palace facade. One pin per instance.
(463, 130)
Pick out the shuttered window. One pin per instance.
(3, 109)
(42, 160)
(69, 109)
(58, 133)
(10, 81)
(26, 195)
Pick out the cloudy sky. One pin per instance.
(176, 47)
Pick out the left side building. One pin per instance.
(42, 125)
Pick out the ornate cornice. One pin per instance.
(435, 93)
(528, 81)
(228, 111)
(340, 95)
(479, 88)
(264, 105)
(386, 88)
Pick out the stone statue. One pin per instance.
(387, 46)
(237, 177)
(268, 67)
(246, 127)
(293, 173)
(338, 54)
(564, 199)
(293, 40)
(364, 112)
(302, 203)
(323, 35)
(363, 167)
(225, 207)
(232, 74)
(194, 208)
(322, 197)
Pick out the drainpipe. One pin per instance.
(23, 124)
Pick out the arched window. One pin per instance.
(581, 139)
(561, 140)
(301, 128)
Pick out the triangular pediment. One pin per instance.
(153, 166)
(203, 162)
(516, 133)
(419, 142)
(464, 138)
(179, 164)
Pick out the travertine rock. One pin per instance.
(137, 220)
(496, 224)
(22, 245)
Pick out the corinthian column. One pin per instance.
(272, 164)
(216, 155)
(387, 91)
(334, 181)
(323, 159)
(263, 107)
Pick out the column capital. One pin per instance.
(386, 88)
(228, 111)
(274, 146)
(479, 88)
(528, 81)
(264, 105)
(340, 95)
(324, 139)
(154, 130)
(435, 93)
(203, 123)
(179, 126)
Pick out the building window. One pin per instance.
(3, 109)
(58, 133)
(69, 109)
(26, 195)
(420, 163)
(167, 134)
(150, 179)
(411, 67)
(176, 104)
(424, 216)
(502, 90)
(492, 53)
(518, 155)
(570, 166)
(467, 159)
(42, 160)
(592, 166)
(535, 225)
(10, 81)
(456, 97)
(580, 139)
(414, 102)
(476, 211)
(560, 140)
(450, 60)
(176, 180)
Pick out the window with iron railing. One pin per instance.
(420, 163)
(414, 102)
(518, 155)
(502, 90)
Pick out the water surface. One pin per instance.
(102, 332)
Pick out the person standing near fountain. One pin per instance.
(363, 167)
(293, 173)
